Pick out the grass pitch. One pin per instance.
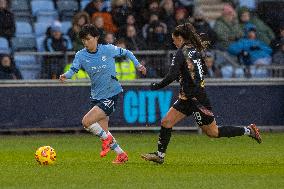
(192, 161)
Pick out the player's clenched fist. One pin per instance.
(62, 78)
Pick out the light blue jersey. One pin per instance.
(100, 66)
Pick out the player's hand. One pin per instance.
(154, 86)
(142, 69)
(62, 78)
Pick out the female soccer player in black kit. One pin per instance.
(189, 69)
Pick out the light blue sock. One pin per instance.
(114, 145)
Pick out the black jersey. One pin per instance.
(188, 69)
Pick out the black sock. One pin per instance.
(230, 131)
(164, 139)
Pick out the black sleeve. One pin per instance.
(174, 69)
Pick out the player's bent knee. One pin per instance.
(166, 123)
(85, 122)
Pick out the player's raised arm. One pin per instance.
(118, 51)
(76, 65)
(172, 74)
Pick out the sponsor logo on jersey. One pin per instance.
(104, 58)
(99, 68)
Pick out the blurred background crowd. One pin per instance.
(38, 37)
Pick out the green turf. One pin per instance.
(193, 161)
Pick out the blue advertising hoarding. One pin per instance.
(62, 106)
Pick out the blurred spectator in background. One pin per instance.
(109, 25)
(7, 22)
(227, 28)
(94, 6)
(130, 20)
(264, 32)
(148, 28)
(152, 8)
(124, 67)
(120, 11)
(54, 65)
(271, 12)
(157, 37)
(99, 23)
(188, 4)
(181, 16)
(133, 41)
(138, 7)
(109, 38)
(275, 44)
(278, 57)
(167, 14)
(203, 27)
(79, 20)
(250, 50)
(213, 71)
(7, 68)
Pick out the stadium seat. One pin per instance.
(4, 46)
(229, 72)
(47, 16)
(67, 16)
(66, 25)
(39, 6)
(39, 43)
(84, 3)
(24, 60)
(67, 9)
(28, 66)
(40, 28)
(67, 5)
(23, 18)
(20, 5)
(23, 44)
(259, 72)
(24, 29)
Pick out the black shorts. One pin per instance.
(108, 105)
(200, 109)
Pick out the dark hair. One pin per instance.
(2, 56)
(89, 29)
(189, 34)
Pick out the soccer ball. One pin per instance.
(45, 155)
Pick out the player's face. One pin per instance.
(178, 41)
(90, 43)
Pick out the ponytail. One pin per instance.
(189, 34)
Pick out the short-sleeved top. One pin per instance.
(100, 66)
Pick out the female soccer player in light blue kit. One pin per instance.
(98, 61)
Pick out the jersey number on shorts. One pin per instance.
(197, 117)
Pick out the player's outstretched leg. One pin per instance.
(231, 131)
(122, 156)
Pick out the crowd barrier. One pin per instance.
(34, 65)
(47, 104)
